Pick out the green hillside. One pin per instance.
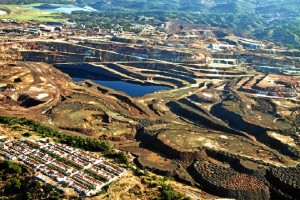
(277, 20)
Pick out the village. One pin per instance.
(83, 171)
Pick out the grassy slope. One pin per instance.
(26, 13)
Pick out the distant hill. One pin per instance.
(265, 7)
(174, 5)
(277, 20)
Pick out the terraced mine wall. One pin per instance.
(289, 53)
(100, 72)
(171, 69)
(226, 183)
(55, 52)
(88, 71)
(195, 115)
(145, 52)
(129, 102)
(125, 71)
(255, 59)
(237, 122)
(53, 57)
(152, 142)
(171, 73)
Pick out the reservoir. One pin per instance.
(62, 8)
(132, 89)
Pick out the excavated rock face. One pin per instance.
(229, 183)
(26, 101)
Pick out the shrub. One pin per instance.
(27, 134)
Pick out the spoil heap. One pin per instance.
(287, 178)
(229, 183)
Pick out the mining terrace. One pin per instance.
(220, 120)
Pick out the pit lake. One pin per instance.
(132, 89)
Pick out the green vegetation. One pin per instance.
(11, 172)
(13, 185)
(11, 167)
(26, 13)
(17, 182)
(277, 20)
(16, 128)
(28, 195)
(88, 144)
(168, 193)
(27, 134)
(21, 2)
(118, 155)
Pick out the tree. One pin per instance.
(27, 134)
(28, 196)
(13, 185)
(12, 167)
(16, 184)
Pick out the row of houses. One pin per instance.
(65, 165)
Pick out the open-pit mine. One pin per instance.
(225, 123)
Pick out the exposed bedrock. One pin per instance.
(169, 80)
(152, 142)
(88, 71)
(53, 57)
(229, 183)
(166, 67)
(66, 57)
(147, 52)
(129, 102)
(107, 52)
(195, 115)
(124, 71)
(236, 121)
(255, 59)
(56, 52)
(26, 101)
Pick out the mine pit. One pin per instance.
(219, 122)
